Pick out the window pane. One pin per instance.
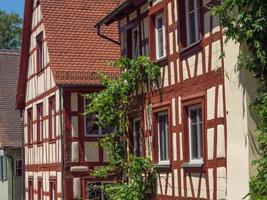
(163, 137)
(196, 146)
(191, 5)
(194, 142)
(160, 43)
(192, 28)
(137, 137)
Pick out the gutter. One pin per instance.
(62, 141)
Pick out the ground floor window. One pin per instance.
(52, 190)
(95, 190)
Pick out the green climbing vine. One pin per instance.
(245, 22)
(133, 176)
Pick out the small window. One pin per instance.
(163, 138)
(135, 43)
(39, 123)
(30, 189)
(40, 189)
(52, 119)
(137, 136)
(195, 134)
(40, 52)
(52, 190)
(160, 36)
(192, 21)
(91, 127)
(18, 167)
(29, 126)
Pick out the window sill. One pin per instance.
(192, 165)
(39, 144)
(161, 61)
(190, 49)
(163, 167)
(51, 141)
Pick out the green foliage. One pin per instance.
(134, 175)
(245, 22)
(10, 30)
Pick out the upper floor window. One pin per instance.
(39, 122)
(163, 138)
(18, 167)
(135, 43)
(29, 126)
(192, 21)
(160, 36)
(40, 52)
(137, 136)
(52, 118)
(195, 126)
(91, 126)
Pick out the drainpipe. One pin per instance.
(12, 174)
(22, 155)
(62, 140)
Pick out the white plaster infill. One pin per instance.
(79, 169)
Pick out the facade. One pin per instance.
(197, 126)
(61, 54)
(11, 132)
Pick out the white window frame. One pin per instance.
(137, 119)
(196, 16)
(133, 43)
(195, 161)
(163, 162)
(161, 15)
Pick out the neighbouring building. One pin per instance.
(197, 128)
(11, 130)
(61, 54)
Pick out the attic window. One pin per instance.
(40, 52)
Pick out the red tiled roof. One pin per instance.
(10, 124)
(76, 50)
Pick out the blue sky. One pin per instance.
(12, 5)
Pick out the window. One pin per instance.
(40, 189)
(40, 52)
(52, 118)
(195, 134)
(160, 36)
(192, 21)
(29, 126)
(52, 190)
(137, 136)
(18, 167)
(39, 123)
(96, 191)
(30, 190)
(163, 138)
(91, 127)
(3, 168)
(135, 43)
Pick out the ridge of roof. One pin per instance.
(9, 52)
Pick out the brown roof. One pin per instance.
(10, 124)
(76, 50)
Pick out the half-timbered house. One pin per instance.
(61, 54)
(197, 127)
